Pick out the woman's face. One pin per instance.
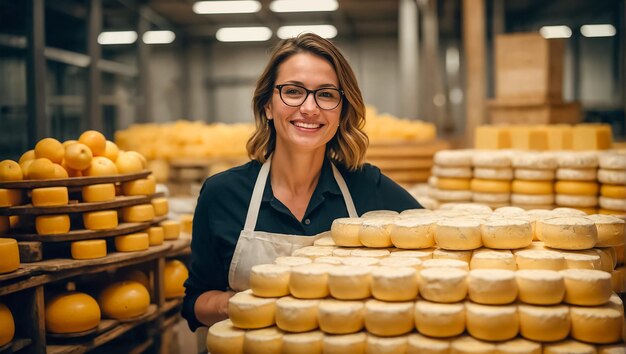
(305, 127)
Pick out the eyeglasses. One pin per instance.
(326, 98)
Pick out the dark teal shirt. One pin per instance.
(223, 205)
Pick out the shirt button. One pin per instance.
(307, 221)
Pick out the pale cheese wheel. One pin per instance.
(10, 259)
(495, 158)
(98, 193)
(349, 282)
(587, 287)
(469, 345)
(344, 343)
(452, 172)
(247, 311)
(458, 234)
(618, 279)
(10, 197)
(612, 160)
(578, 159)
(360, 261)
(464, 256)
(607, 258)
(341, 252)
(576, 174)
(577, 201)
(612, 176)
(302, 343)
(380, 214)
(132, 243)
(89, 249)
(396, 262)
(613, 204)
(292, 261)
(491, 198)
(569, 347)
(506, 233)
(296, 315)
(518, 346)
(369, 252)
(535, 160)
(100, 220)
(445, 263)
(421, 255)
(452, 195)
(388, 318)
(439, 320)
(577, 188)
(385, 345)
(171, 229)
(531, 174)
(419, 344)
(544, 323)
(52, 224)
(142, 186)
(156, 235)
(532, 199)
(599, 325)
(309, 281)
(619, 253)
(509, 211)
(266, 340)
(519, 186)
(394, 284)
(325, 241)
(138, 213)
(492, 286)
(466, 208)
(50, 196)
(587, 259)
(345, 232)
(492, 323)
(493, 259)
(329, 260)
(413, 233)
(443, 284)
(540, 287)
(570, 233)
(613, 191)
(490, 186)
(453, 158)
(376, 233)
(610, 229)
(505, 174)
(416, 212)
(565, 211)
(540, 259)
(161, 206)
(341, 317)
(269, 280)
(224, 338)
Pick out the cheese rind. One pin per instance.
(52, 224)
(540, 259)
(132, 243)
(161, 206)
(156, 235)
(452, 172)
(576, 174)
(443, 284)
(532, 187)
(379, 345)
(7, 331)
(247, 311)
(613, 191)
(344, 343)
(492, 323)
(599, 325)
(143, 186)
(10, 197)
(349, 282)
(568, 347)
(224, 338)
(612, 176)
(100, 220)
(394, 284)
(506, 233)
(138, 213)
(490, 185)
(89, 249)
(49, 196)
(492, 286)
(309, 281)
(493, 259)
(302, 343)
(439, 320)
(388, 318)
(98, 193)
(171, 229)
(572, 233)
(71, 313)
(530, 174)
(518, 346)
(266, 340)
(540, 287)
(458, 234)
(345, 232)
(341, 317)
(296, 315)
(10, 259)
(269, 280)
(413, 233)
(586, 287)
(544, 323)
(419, 344)
(469, 345)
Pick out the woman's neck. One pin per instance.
(295, 174)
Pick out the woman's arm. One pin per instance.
(212, 306)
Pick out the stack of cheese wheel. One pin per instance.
(533, 185)
(491, 183)
(612, 176)
(453, 174)
(576, 185)
(462, 280)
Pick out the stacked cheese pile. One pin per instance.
(576, 184)
(451, 277)
(492, 176)
(451, 176)
(533, 186)
(381, 127)
(612, 176)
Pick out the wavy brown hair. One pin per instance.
(348, 145)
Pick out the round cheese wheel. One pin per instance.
(396, 262)
(174, 276)
(576, 174)
(296, 315)
(492, 323)
(10, 197)
(469, 345)
(224, 338)
(453, 184)
(582, 202)
(612, 160)
(132, 243)
(98, 193)
(578, 159)
(340, 252)
(532, 187)
(540, 287)
(588, 259)
(269, 280)
(618, 279)
(443, 284)
(492, 286)
(50, 196)
(518, 346)
(568, 347)
(52, 224)
(613, 204)
(266, 340)
(394, 284)
(451, 195)
(613, 191)
(341, 317)
(303, 343)
(453, 158)
(532, 199)
(464, 256)
(7, 330)
(540, 259)
(349, 282)
(587, 287)
(379, 214)
(439, 320)
(530, 174)
(389, 318)
(330, 260)
(309, 281)
(445, 263)
(612, 176)
(491, 198)
(72, 313)
(506, 233)
(171, 229)
(490, 186)
(124, 300)
(570, 233)
(345, 232)
(138, 213)
(419, 344)
(564, 211)
(100, 220)
(10, 259)
(344, 343)
(416, 212)
(156, 235)
(458, 234)
(493, 259)
(413, 233)
(313, 252)
(452, 172)
(325, 241)
(161, 206)
(383, 345)
(600, 325)
(89, 249)
(422, 255)
(370, 253)
(292, 261)
(142, 186)
(509, 211)
(544, 323)
(247, 311)
(360, 261)
(484, 173)
(536, 160)
(376, 233)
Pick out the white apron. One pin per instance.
(257, 247)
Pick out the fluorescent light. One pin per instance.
(303, 5)
(226, 7)
(598, 30)
(243, 34)
(324, 31)
(118, 37)
(158, 37)
(555, 32)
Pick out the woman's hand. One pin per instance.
(212, 306)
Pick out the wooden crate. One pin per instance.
(529, 66)
(537, 112)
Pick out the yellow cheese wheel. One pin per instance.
(224, 338)
(100, 220)
(174, 277)
(7, 325)
(532, 187)
(161, 206)
(138, 213)
(50, 196)
(156, 235)
(613, 191)
(576, 188)
(10, 259)
(89, 249)
(5, 224)
(144, 186)
(10, 197)
(124, 300)
(490, 186)
(52, 224)
(186, 226)
(171, 229)
(71, 313)
(98, 193)
(455, 184)
(132, 242)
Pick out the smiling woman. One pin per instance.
(307, 170)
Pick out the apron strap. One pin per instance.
(347, 198)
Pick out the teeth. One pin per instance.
(307, 125)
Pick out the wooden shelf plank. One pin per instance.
(74, 181)
(16, 345)
(18, 273)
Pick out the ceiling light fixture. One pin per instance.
(605, 30)
(555, 32)
(324, 31)
(226, 7)
(117, 37)
(303, 6)
(158, 37)
(243, 34)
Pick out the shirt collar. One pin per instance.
(326, 183)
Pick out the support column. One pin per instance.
(144, 99)
(93, 109)
(475, 57)
(498, 26)
(38, 124)
(432, 97)
(408, 58)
